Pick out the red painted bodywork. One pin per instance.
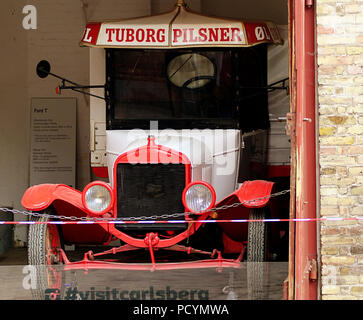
(254, 194)
(152, 153)
(278, 171)
(40, 197)
(250, 190)
(101, 172)
(68, 202)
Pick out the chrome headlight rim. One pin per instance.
(205, 184)
(97, 184)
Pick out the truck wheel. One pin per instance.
(257, 254)
(44, 242)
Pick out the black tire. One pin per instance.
(257, 255)
(49, 272)
(257, 247)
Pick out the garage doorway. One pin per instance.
(302, 280)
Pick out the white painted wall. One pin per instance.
(13, 104)
(60, 27)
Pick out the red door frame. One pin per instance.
(303, 235)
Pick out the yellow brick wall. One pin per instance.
(340, 98)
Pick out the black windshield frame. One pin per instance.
(248, 95)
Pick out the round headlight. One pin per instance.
(97, 197)
(199, 196)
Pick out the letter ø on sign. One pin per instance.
(260, 34)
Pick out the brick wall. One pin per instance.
(340, 96)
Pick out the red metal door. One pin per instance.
(303, 235)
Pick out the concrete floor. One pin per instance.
(14, 256)
(140, 285)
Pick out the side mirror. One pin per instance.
(43, 69)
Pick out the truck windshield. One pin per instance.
(185, 88)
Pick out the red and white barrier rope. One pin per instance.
(180, 221)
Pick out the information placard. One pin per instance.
(53, 141)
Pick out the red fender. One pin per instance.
(67, 202)
(247, 195)
(251, 190)
(41, 196)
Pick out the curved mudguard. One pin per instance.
(42, 196)
(252, 194)
(67, 202)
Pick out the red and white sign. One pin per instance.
(128, 35)
(186, 30)
(201, 35)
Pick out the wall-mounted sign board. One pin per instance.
(53, 141)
